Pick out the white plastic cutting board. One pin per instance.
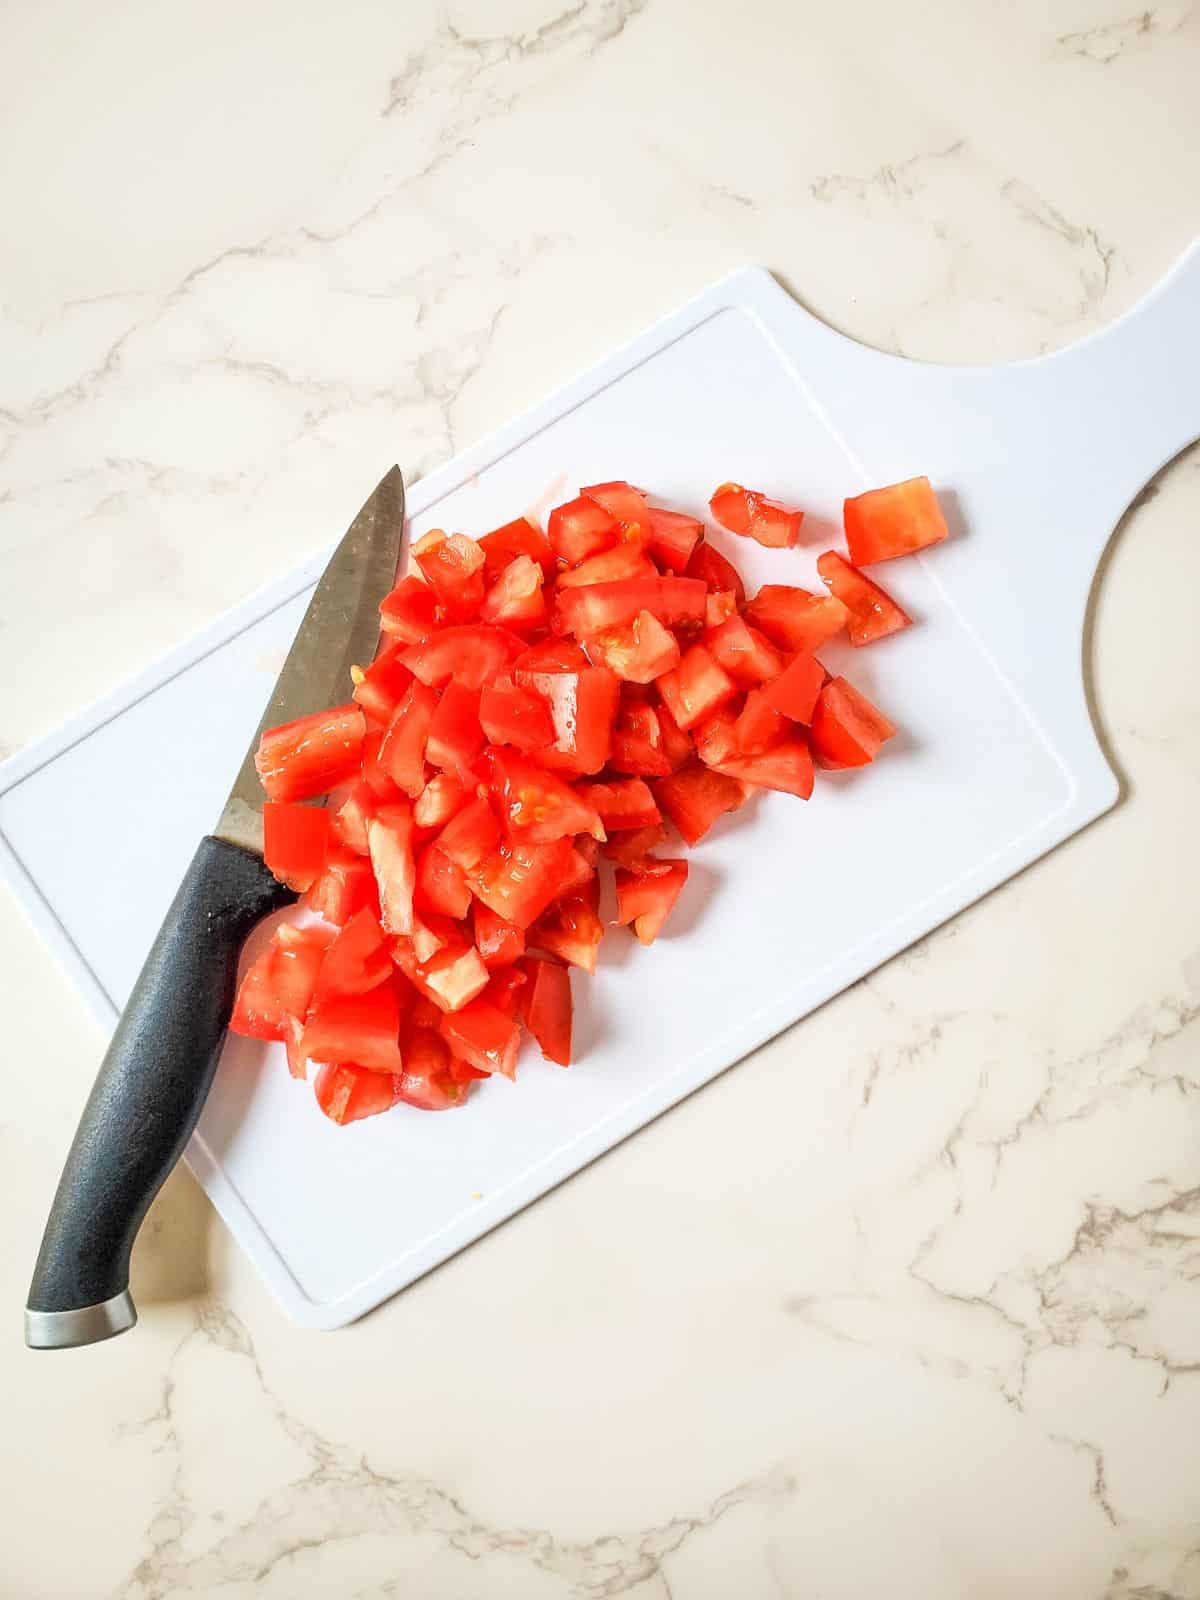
(997, 761)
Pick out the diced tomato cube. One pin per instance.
(515, 599)
(551, 655)
(754, 516)
(580, 869)
(637, 651)
(873, 614)
(677, 746)
(519, 882)
(847, 730)
(499, 942)
(455, 735)
(279, 986)
(507, 990)
(610, 566)
(759, 725)
(786, 766)
(518, 538)
(378, 690)
(716, 738)
(795, 691)
(360, 1028)
(375, 778)
(345, 885)
(597, 606)
(571, 928)
(294, 841)
(580, 529)
(673, 537)
(623, 503)
(305, 758)
(631, 849)
(357, 960)
(402, 753)
(645, 897)
(694, 797)
(432, 932)
(349, 1093)
(470, 835)
(390, 839)
(715, 571)
(582, 707)
(453, 567)
(719, 607)
(409, 613)
(429, 1081)
(348, 819)
(637, 742)
(451, 978)
(441, 798)
(512, 715)
(484, 1036)
(745, 654)
(894, 521)
(624, 803)
(440, 885)
(696, 687)
(472, 654)
(548, 1011)
(795, 619)
(534, 805)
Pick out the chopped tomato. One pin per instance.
(580, 869)
(719, 607)
(515, 599)
(499, 943)
(715, 572)
(795, 691)
(429, 1081)
(847, 730)
(453, 567)
(305, 758)
(795, 619)
(455, 736)
(519, 882)
(441, 798)
(346, 1093)
(759, 725)
(895, 521)
(348, 819)
(582, 707)
(630, 849)
(637, 651)
(787, 766)
(402, 753)
(375, 778)
(571, 929)
(580, 529)
(379, 689)
(873, 614)
(551, 655)
(623, 503)
(484, 1036)
(451, 978)
(625, 803)
(363, 1028)
(294, 841)
(673, 537)
(535, 806)
(440, 885)
(279, 986)
(622, 561)
(357, 960)
(637, 742)
(716, 738)
(507, 991)
(754, 516)
(389, 837)
(470, 835)
(549, 1009)
(696, 687)
(745, 654)
(431, 933)
(677, 747)
(516, 716)
(694, 797)
(473, 655)
(587, 611)
(519, 538)
(346, 885)
(409, 613)
(646, 896)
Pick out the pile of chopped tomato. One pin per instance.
(543, 706)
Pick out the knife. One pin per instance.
(157, 1070)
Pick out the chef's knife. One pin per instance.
(156, 1073)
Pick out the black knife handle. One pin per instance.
(146, 1099)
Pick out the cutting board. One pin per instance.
(997, 761)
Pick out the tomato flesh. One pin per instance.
(637, 743)
(549, 1010)
(715, 572)
(278, 987)
(695, 797)
(520, 881)
(455, 734)
(624, 803)
(484, 1036)
(745, 654)
(535, 806)
(390, 841)
(873, 614)
(512, 715)
(795, 691)
(471, 834)
(759, 725)
(410, 613)
(429, 1081)
(363, 1028)
(499, 942)
(294, 842)
(515, 600)
(787, 766)
(357, 960)
(345, 885)
(580, 529)
(597, 606)
(645, 897)
(696, 687)
(440, 886)
(379, 689)
(582, 707)
(752, 515)
(305, 758)
(571, 928)
(894, 521)
(402, 753)
(441, 798)
(452, 565)
(673, 537)
(637, 651)
(610, 566)
(847, 730)
(472, 654)
(346, 1093)
(520, 537)
(794, 619)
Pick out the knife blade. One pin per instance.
(159, 1065)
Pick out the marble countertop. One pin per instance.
(904, 1307)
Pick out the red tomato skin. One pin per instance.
(512, 715)
(305, 758)
(280, 983)
(673, 537)
(646, 896)
(696, 687)
(759, 725)
(521, 537)
(499, 942)
(786, 766)
(361, 1028)
(609, 566)
(471, 653)
(580, 529)
(873, 613)
(549, 1010)
(410, 613)
(715, 571)
(535, 806)
(893, 521)
(347, 1093)
(695, 797)
(752, 515)
(794, 619)
(295, 838)
(402, 753)
(745, 654)
(847, 730)
(484, 1036)
(357, 960)
(795, 691)
(622, 804)
(515, 600)
(380, 688)
(428, 1081)
(519, 882)
(582, 707)
(623, 503)
(452, 565)
(455, 735)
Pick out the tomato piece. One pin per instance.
(433, 932)
(795, 691)
(625, 803)
(586, 611)
(376, 779)
(357, 960)
(623, 503)
(379, 688)
(893, 521)
(715, 571)
(499, 942)
(873, 614)
(745, 654)
(521, 537)
(580, 529)
(582, 707)
(677, 746)
(630, 849)
(716, 738)
(346, 885)
(359, 1028)
(637, 651)
(646, 897)
(847, 730)
(534, 805)
(695, 796)
(348, 1093)
(470, 835)
(515, 599)
(305, 758)
(719, 607)
(759, 725)
(795, 619)
(452, 565)
(512, 715)
(390, 840)
(429, 1081)
(348, 819)
(548, 1011)
(551, 655)
(441, 798)
(696, 687)
(472, 654)
(571, 928)
(637, 743)
(507, 991)
(455, 736)
(294, 841)
(484, 1036)
(519, 882)
(279, 985)
(440, 886)
(673, 537)
(451, 978)
(402, 753)
(410, 612)
(580, 869)
(786, 766)
(754, 516)
(610, 566)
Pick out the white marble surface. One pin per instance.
(906, 1307)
